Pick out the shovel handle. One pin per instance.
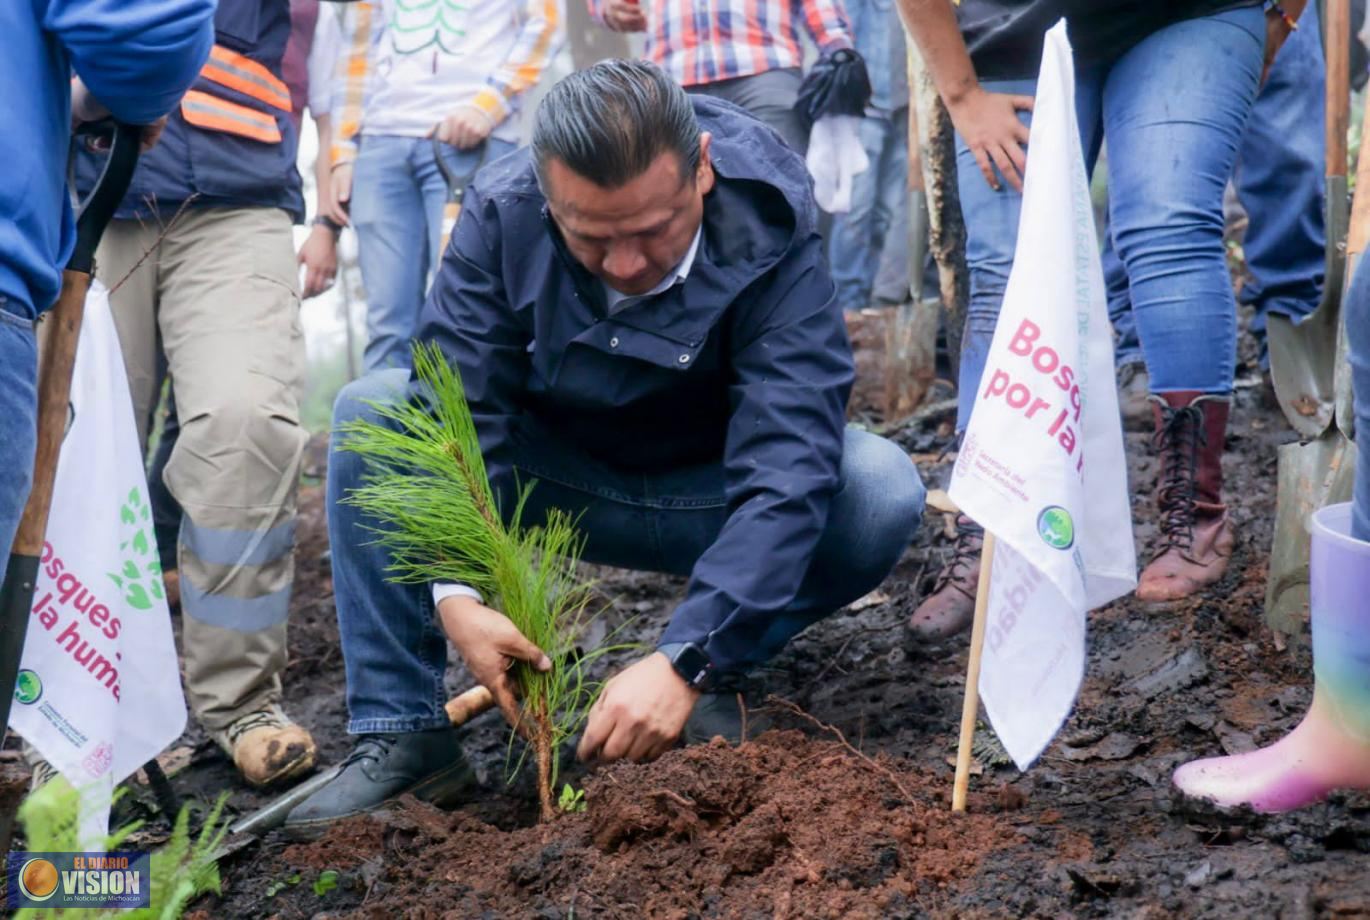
(1337, 51)
(466, 706)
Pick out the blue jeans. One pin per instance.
(1357, 318)
(394, 651)
(398, 196)
(1280, 183)
(18, 417)
(1187, 90)
(879, 202)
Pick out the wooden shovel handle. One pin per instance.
(1337, 28)
(54, 396)
(464, 707)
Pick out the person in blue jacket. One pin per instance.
(132, 59)
(644, 321)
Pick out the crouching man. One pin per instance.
(640, 310)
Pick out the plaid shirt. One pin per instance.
(713, 40)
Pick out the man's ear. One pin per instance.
(704, 173)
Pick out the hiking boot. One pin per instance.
(950, 608)
(268, 748)
(382, 767)
(1134, 402)
(1196, 535)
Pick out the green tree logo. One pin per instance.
(1055, 527)
(28, 687)
(140, 579)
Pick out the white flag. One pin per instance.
(99, 688)
(1041, 466)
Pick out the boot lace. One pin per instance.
(374, 748)
(1178, 440)
(965, 554)
(254, 720)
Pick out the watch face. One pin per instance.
(692, 664)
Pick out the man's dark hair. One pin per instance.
(609, 123)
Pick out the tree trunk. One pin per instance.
(946, 229)
(542, 744)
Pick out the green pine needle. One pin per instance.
(426, 483)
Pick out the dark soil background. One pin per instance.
(800, 822)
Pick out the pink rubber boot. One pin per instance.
(1330, 748)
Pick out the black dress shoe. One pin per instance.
(382, 767)
(720, 713)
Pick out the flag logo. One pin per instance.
(1056, 527)
(38, 879)
(28, 687)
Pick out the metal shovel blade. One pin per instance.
(1311, 476)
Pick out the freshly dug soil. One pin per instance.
(780, 826)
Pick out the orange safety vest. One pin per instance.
(248, 78)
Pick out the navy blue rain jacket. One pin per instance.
(746, 363)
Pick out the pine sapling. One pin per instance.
(426, 485)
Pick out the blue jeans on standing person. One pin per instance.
(398, 198)
(878, 202)
(18, 414)
(393, 648)
(1186, 89)
(1280, 183)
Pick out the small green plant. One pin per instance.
(183, 869)
(326, 882)
(281, 884)
(427, 483)
(571, 800)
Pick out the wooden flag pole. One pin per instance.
(970, 707)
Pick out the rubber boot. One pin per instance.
(1196, 536)
(1330, 748)
(950, 608)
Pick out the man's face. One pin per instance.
(630, 237)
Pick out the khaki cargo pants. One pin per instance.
(221, 290)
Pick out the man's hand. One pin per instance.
(625, 16)
(465, 128)
(640, 714)
(86, 108)
(989, 125)
(490, 645)
(340, 193)
(319, 256)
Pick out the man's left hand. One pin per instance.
(319, 256)
(640, 714)
(465, 128)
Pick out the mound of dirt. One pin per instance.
(783, 826)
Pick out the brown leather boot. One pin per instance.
(950, 608)
(1196, 534)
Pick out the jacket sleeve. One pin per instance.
(361, 31)
(827, 23)
(469, 317)
(792, 376)
(539, 37)
(137, 58)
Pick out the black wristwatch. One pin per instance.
(690, 663)
(330, 223)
